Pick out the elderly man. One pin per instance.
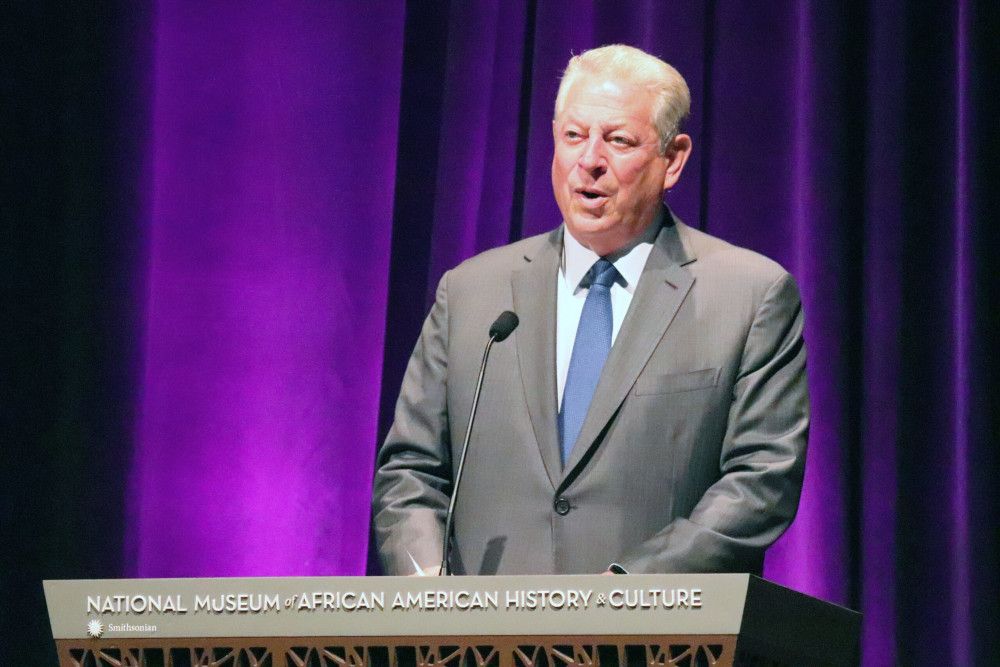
(649, 414)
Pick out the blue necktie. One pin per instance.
(590, 351)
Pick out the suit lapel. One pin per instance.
(534, 288)
(659, 295)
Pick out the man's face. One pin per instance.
(607, 173)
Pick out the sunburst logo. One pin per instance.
(95, 628)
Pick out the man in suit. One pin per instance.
(649, 414)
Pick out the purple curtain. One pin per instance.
(273, 151)
(316, 168)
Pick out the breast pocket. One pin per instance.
(672, 383)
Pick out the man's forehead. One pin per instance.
(612, 99)
(602, 83)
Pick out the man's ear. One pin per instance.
(677, 155)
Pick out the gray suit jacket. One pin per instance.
(690, 458)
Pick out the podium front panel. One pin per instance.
(500, 621)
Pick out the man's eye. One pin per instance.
(621, 141)
(570, 134)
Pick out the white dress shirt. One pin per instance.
(576, 261)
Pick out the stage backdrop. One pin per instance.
(250, 204)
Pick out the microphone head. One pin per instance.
(503, 326)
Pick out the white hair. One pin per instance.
(671, 97)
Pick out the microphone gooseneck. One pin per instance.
(501, 328)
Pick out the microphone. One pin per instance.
(502, 327)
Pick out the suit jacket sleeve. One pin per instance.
(412, 483)
(762, 455)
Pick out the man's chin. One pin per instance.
(593, 224)
(600, 235)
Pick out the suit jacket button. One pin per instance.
(562, 506)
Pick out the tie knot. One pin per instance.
(602, 273)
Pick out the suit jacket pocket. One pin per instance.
(675, 382)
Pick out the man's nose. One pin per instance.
(593, 156)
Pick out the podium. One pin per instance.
(688, 620)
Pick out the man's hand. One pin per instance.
(432, 571)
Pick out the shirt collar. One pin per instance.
(577, 259)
